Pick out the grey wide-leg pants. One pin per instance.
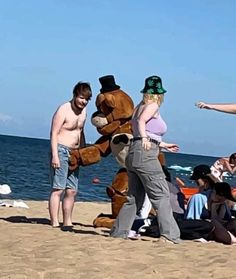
(146, 176)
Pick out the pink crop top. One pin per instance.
(155, 128)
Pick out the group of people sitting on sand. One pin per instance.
(207, 215)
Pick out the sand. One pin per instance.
(31, 248)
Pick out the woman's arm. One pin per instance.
(171, 147)
(149, 111)
(218, 211)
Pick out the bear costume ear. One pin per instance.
(100, 98)
(110, 100)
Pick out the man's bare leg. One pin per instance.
(54, 206)
(67, 206)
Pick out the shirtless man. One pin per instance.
(228, 108)
(66, 134)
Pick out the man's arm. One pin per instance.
(57, 122)
(227, 108)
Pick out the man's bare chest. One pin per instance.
(74, 123)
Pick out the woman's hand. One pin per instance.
(146, 144)
(171, 147)
(203, 105)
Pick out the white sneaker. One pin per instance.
(133, 235)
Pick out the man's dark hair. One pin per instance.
(83, 88)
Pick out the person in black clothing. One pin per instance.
(189, 229)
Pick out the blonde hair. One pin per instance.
(157, 98)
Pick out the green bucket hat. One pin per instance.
(153, 85)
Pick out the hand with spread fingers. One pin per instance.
(171, 147)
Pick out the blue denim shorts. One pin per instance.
(62, 178)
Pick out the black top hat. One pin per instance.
(200, 171)
(108, 84)
(223, 189)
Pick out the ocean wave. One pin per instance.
(180, 168)
(188, 170)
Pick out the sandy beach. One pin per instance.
(31, 248)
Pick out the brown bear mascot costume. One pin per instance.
(112, 120)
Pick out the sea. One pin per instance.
(24, 166)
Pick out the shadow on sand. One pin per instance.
(45, 221)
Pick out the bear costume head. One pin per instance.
(112, 118)
(114, 107)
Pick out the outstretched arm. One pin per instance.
(227, 108)
(171, 147)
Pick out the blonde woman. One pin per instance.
(145, 172)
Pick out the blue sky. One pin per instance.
(47, 46)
